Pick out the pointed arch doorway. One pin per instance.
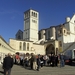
(50, 49)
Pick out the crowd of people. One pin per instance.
(34, 62)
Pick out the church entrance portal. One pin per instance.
(50, 49)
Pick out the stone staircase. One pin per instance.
(71, 46)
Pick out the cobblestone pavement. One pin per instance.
(19, 70)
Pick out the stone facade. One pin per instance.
(5, 48)
(23, 46)
(54, 39)
(31, 24)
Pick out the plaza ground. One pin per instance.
(19, 70)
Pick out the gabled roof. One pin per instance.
(73, 17)
(5, 41)
(19, 31)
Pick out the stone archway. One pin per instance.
(50, 49)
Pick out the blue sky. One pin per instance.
(51, 13)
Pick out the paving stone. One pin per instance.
(19, 70)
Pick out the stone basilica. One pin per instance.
(55, 39)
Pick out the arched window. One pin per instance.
(24, 46)
(20, 46)
(0, 44)
(36, 14)
(64, 31)
(60, 44)
(27, 46)
(32, 14)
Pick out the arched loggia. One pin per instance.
(50, 49)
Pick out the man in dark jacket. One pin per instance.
(38, 62)
(7, 64)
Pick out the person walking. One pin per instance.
(56, 60)
(7, 64)
(34, 62)
(41, 58)
(31, 61)
(52, 60)
(38, 62)
(62, 63)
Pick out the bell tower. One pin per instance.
(31, 23)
